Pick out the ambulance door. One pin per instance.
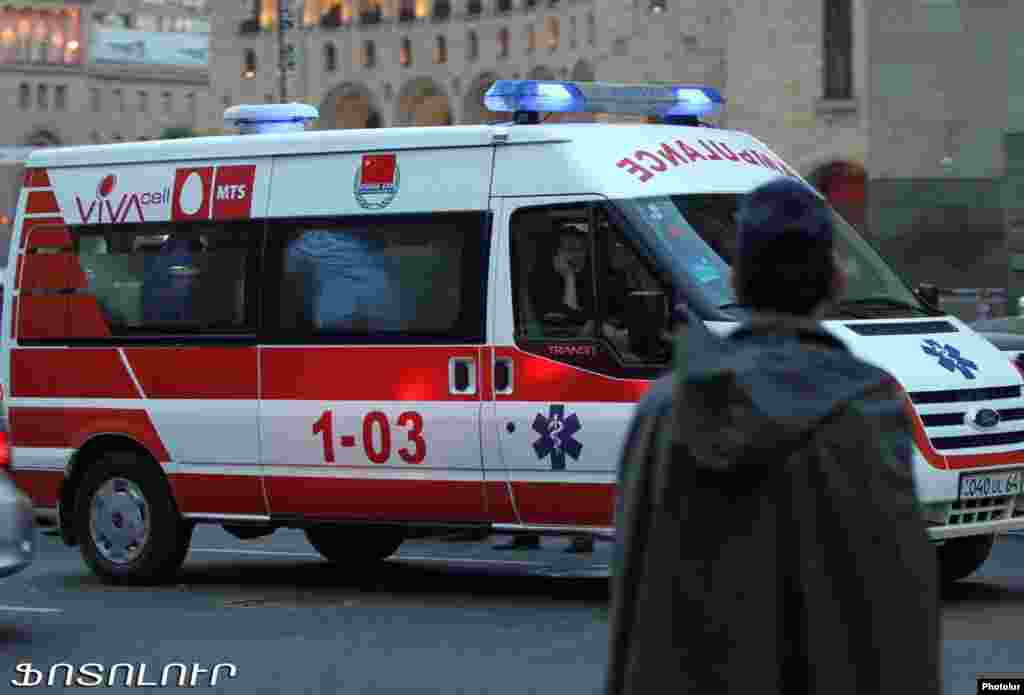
(563, 392)
(370, 364)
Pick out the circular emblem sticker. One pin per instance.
(376, 181)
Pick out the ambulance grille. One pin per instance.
(965, 395)
(871, 329)
(970, 441)
(953, 419)
(950, 431)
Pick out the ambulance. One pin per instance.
(362, 332)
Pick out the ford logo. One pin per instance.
(985, 418)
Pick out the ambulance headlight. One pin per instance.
(252, 119)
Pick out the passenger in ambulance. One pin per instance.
(170, 284)
(562, 290)
(343, 283)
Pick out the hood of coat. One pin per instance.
(746, 399)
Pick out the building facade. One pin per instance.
(86, 72)
(794, 72)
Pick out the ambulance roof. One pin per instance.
(361, 140)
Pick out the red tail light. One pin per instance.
(5, 449)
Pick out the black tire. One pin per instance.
(355, 544)
(961, 557)
(122, 476)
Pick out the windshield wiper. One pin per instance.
(885, 301)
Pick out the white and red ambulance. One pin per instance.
(357, 332)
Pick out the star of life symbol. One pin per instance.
(950, 358)
(556, 437)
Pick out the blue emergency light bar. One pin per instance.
(669, 102)
(252, 119)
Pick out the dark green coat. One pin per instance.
(769, 539)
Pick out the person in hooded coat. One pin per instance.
(769, 537)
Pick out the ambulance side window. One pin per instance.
(390, 279)
(583, 294)
(552, 266)
(152, 280)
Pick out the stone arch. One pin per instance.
(423, 102)
(541, 73)
(350, 105)
(473, 110)
(583, 71)
(43, 137)
(844, 184)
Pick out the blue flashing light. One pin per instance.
(251, 119)
(670, 102)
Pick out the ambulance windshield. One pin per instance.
(697, 235)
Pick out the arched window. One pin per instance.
(472, 46)
(24, 96)
(330, 58)
(838, 47)
(440, 51)
(474, 7)
(503, 42)
(504, 5)
(405, 53)
(369, 54)
(442, 9)
(249, 64)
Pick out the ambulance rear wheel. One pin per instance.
(961, 557)
(355, 544)
(129, 526)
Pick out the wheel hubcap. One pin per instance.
(119, 521)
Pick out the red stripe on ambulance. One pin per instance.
(195, 372)
(537, 379)
(37, 178)
(218, 494)
(383, 500)
(45, 233)
(42, 203)
(415, 373)
(70, 428)
(78, 373)
(575, 504)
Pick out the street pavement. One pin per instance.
(440, 617)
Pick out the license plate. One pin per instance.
(981, 485)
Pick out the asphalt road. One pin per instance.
(440, 618)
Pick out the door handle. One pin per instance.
(503, 376)
(461, 376)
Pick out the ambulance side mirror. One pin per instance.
(929, 294)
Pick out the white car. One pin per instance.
(17, 528)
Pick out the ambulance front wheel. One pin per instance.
(355, 544)
(961, 557)
(129, 525)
